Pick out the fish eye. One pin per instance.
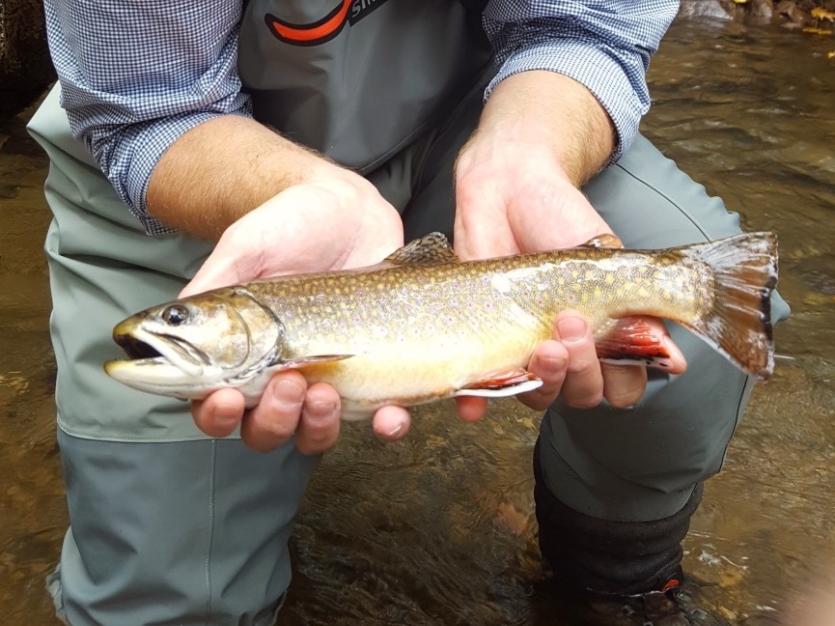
(175, 314)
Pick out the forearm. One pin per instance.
(551, 112)
(224, 168)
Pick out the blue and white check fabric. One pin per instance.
(137, 74)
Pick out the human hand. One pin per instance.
(334, 222)
(513, 196)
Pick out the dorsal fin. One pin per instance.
(603, 241)
(432, 249)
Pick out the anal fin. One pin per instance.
(633, 341)
(502, 385)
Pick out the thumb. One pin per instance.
(221, 269)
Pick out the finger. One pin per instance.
(391, 423)
(480, 229)
(219, 413)
(583, 386)
(563, 218)
(217, 270)
(549, 362)
(319, 425)
(471, 408)
(623, 385)
(275, 418)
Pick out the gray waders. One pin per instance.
(170, 527)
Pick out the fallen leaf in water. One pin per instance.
(822, 14)
(817, 31)
(510, 518)
(830, 54)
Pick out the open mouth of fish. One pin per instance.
(156, 358)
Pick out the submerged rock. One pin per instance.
(710, 9)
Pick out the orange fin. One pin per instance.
(744, 276)
(633, 342)
(502, 385)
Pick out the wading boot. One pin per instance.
(677, 606)
(618, 573)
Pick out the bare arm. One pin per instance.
(550, 111)
(219, 171)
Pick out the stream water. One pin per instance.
(439, 529)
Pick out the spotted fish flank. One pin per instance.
(424, 325)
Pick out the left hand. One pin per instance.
(513, 196)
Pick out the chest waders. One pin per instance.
(198, 526)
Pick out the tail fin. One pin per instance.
(745, 273)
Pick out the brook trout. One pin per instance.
(424, 325)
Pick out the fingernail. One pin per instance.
(289, 387)
(322, 408)
(396, 430)
(222, 419)
(552, 362)
(571, 328)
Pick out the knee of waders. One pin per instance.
(609, 556)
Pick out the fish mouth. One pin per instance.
(148, 349)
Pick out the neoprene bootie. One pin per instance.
(618, 573)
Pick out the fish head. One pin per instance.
(192, 346)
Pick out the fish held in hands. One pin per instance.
(424, 325)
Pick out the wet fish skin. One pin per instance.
(424, 325)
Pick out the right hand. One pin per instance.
(334, 222)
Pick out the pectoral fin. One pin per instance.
(308, 360)
(503, 385)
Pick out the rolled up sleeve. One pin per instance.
(605, 46)
(137, 74)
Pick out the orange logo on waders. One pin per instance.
(325, 29)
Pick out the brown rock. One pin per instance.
(762, 10)
(709, 9)
(789, 10)
(25, 67)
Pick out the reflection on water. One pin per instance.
(439, 528)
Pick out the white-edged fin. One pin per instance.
(502, 392)
(432, 249)
(308, 360)
(653, 362)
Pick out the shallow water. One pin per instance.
(439, 528)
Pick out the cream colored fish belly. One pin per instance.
(415, 366)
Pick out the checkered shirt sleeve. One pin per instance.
(137, 74)
(604, 45)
